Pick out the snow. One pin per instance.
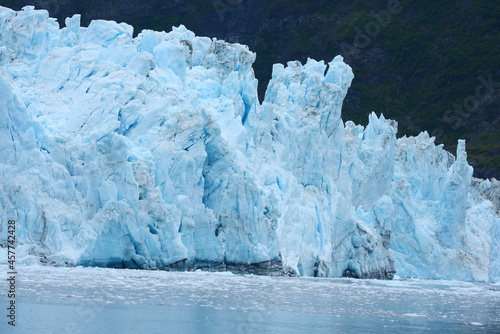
(154, 152)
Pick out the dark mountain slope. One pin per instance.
(431, 65)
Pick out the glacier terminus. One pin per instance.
(154, 152)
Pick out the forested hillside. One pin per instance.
(430, 65)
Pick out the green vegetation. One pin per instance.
(416, 69)
(438, 51)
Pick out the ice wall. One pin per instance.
(154, 152)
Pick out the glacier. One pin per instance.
(154, 152)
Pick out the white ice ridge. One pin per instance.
(154, 152)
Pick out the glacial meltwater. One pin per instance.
(96, 300)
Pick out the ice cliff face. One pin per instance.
(154, 152)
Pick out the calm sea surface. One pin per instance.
(93, 300)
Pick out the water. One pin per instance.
(93, 300)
